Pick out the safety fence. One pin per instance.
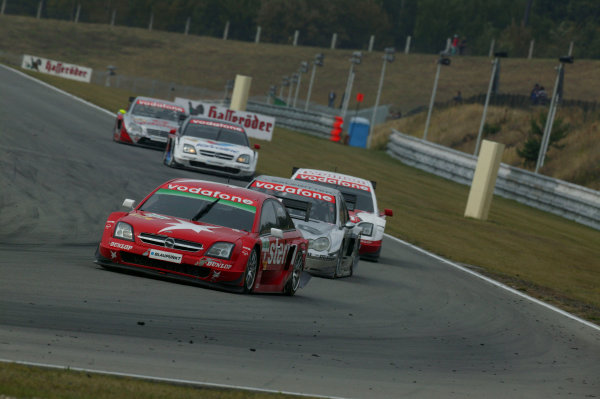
(559, 197)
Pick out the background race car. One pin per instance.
(362, 205)
(210, 145)
(147, 122)
(209, 234)
(320, 214)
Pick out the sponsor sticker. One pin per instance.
(229, 199)
(283, 188)
(166, 256)
(121, 246)
(216, 124)
(157, 104)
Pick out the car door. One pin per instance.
(274, 249)
(349, 237)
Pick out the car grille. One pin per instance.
(151, 143)
(214, 154)
(156, 132)
(191, 270)
(214, 167)
(161, 241)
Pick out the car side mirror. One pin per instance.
(388, 212)
(349, 225)
(128, 203)
(257, 146)
(277, 233)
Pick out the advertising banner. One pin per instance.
(57, 68)
(256, 125)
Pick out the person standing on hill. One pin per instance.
(331, 98)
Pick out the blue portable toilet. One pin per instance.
(358, 131)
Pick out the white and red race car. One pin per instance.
(361, 202)
(147, 122)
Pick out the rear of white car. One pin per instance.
(361, 202)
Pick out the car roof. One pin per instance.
(217, 190)
(300, 183)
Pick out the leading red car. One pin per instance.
(207, 233)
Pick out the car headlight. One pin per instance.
(221, 250)
(134, 128)
(367, 228)
(320, 244)
(244, 158)
(124, 231)
(188, 148)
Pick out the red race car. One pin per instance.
(210, 234)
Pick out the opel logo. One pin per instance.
(169, 242)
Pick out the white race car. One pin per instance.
(210, 145)
(361, 202)
(147, 122)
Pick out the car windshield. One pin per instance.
(207, 210)
(157, 112)
(298, 206)
(216, 133)
(358, 200)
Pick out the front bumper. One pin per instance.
(322, 265)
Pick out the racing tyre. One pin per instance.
(294, 282)
(250, 273)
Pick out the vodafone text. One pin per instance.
(282, 188)
(212, 194)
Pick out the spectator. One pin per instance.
(454, 45)
(542, 95)
(331, 98)
(458, 99)
(535, 94)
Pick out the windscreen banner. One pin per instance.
(256, 125)
(57, 68)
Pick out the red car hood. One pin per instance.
(152, 223)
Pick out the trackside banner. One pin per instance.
(57, 68)
(256, 125)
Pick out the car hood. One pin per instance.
(160, 124)
(183, 229)
(312, 230)
(214, 145)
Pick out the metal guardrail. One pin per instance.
(559, 197)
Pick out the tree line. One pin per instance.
(512, 24)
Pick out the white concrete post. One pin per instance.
(241, 91)
(151, 21)
(39, 10)
(113, 17)
(571, 49)
(296, 34)
(333, 40)
(485, 106)
(371, 43)
(3, 7)
(407, 46)
(432, 101)
(484, 180)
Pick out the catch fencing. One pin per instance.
(559, 197)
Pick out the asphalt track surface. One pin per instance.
(410, 326)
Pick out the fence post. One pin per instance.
(531, 44)
(3, 7)
(492, 48)
(407, 46)
(187, 25)
(77, 13)
(257, 37)
(226, 31)
(371, 42)
(151, 21)
(333, 40)
(296, 34)
(113, 17)
(39, 9)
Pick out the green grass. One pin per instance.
(19, 381)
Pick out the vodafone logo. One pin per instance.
(282, 188)
(212, 194)
(333, 180)
(156, 104)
